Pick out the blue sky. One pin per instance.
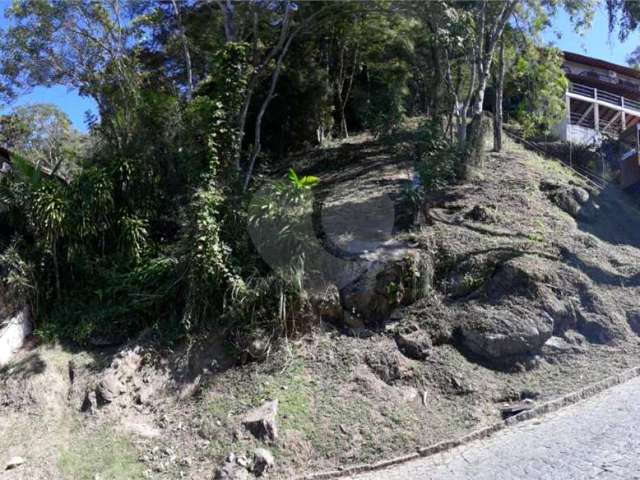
(596, 43)
(69, 101)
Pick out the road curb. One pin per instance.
(485, 432)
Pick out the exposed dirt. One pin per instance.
(527, 301)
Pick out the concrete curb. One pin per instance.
(485, 432)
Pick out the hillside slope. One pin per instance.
(534, 280)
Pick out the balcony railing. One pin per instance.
(604, 96)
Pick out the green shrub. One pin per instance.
(435, 158)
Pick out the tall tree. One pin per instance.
(81, 44)
(44, 134)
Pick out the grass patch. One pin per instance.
(105, 455)
(553, 168)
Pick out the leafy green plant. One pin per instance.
(435, 158)
(302, 183)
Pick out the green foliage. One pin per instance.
(44, 134)
(205, 256)
(18, 277)
(302, 183)
(535, 87)
(435, 157)
(149, 226)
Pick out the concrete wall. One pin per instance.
(577, 134)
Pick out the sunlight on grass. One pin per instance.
(104, 455)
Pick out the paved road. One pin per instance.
(595, 439)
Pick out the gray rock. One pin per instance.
(231, 471)
(599, 318)
(479, 213)
(566, 201)
(522, 276)
(14, 462)
(326, 304)
(263, 461)
(576, 201)
(416, 344)
(261, 421)
(109, 388)
(581, 195)
(497, 334)
(258, 348)
(548, 184)
(397, 275)
(558, 346)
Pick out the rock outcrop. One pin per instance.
(500, 334)
(397, 275)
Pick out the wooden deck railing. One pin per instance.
(604, 96)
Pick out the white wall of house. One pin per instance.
(577, 134)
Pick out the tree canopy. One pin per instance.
(199, 102)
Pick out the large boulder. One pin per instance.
(498, 333)
(396, 275)
(523, 275)
(598, 317)
(574, 200)
(13, 332)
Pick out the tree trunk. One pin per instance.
(258, 127)
(497, 117)
(344, 131)
(185, 48)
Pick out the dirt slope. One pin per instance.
(534, 293)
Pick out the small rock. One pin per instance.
(416, 345)
(547, 184)
(14, 462)
(258, 349)
(509, 410)
(262, 461)
(581, 195)
(558, 345)
(242, 461)
(261, 422)
(461, 387)
(90, 403)
(326, 304)
(231, 471)
(479, 214)
(108, 388)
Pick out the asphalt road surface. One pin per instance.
(595, 439)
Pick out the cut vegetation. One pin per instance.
(528, 301)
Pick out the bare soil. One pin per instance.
(344, 399)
